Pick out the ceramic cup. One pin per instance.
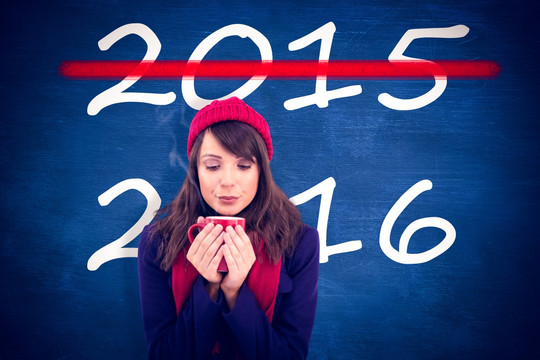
(224, 221)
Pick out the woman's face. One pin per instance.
(228, 183)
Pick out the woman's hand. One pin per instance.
(240, 256)
(205, 254)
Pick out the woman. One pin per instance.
(264, 307)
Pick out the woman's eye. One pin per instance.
(244, 166)
(212, 167)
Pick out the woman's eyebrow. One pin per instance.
(211, 156)
(252, 160)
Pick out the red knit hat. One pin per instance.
(229, 109)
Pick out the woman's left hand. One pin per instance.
(240, 257)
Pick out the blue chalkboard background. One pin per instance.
(478, 144)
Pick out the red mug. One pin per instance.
(224, 221)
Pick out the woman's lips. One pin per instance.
(228, 199)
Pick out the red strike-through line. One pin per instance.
(279, 69)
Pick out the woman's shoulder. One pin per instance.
(307, 232)
(149, 241)
(148, 234)
(307, 242)
(305, 256)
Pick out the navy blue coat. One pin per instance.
(246, 329)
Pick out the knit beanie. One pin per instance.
(229, 109)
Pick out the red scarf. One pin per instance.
(262, 280)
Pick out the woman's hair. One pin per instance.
(270, 216)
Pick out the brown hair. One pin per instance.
(270, 216)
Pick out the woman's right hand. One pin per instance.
(205, 255)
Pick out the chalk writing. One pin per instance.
(401, 255)
(321, 97)
(117, 94)
(117, 249)
(391, 102)
(326, 190)
(243, 31)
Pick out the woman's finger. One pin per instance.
(202, 241)
(239, 263)
(210, 255)
(231, 254)
(241, 243)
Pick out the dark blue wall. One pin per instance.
(477, 144)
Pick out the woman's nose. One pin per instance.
(227, 176)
